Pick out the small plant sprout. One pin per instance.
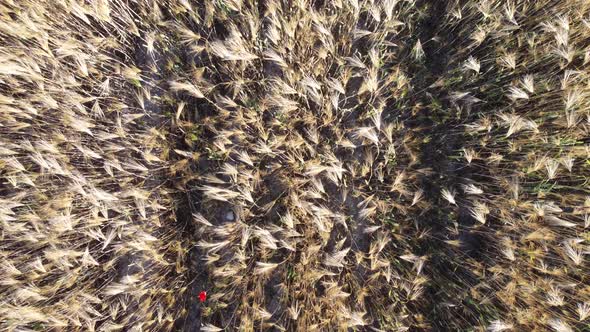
(472, 64)
(449, 195)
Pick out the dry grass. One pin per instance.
(88, 234)
(335, 165)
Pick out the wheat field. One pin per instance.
(294, 165)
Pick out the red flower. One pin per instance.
(202, 296)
